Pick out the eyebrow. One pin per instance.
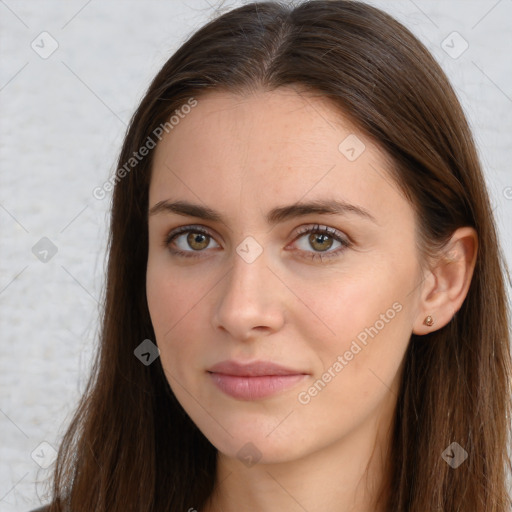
(274, 216)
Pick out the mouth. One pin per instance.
(254, 381)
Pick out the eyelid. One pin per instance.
(322, 228)
(298, 232)
(186, 229)
(337, 235)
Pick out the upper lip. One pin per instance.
(254, 369)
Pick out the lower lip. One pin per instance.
(253, 388)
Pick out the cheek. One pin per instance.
(171, 294)
(160, 296)
(342, 306)
(355, 369)
(169, 305)
(176, 300)
(365, 329)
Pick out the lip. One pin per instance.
(254, 369)
(253, 381)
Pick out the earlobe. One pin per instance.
(429, 321)
(452, 274)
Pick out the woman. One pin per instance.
(301, 226)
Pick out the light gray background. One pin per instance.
(61, 125)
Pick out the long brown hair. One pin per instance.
(131, 446)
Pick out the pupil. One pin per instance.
(196, 240)
(320, 239)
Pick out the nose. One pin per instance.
(251, 301)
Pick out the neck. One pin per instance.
(346, 476)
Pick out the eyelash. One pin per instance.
(317, 229)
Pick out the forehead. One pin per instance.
(284, 120)
(255, 147)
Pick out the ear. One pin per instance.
(447, 282)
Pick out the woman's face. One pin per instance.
(256, 274)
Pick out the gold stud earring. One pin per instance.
(428, 321)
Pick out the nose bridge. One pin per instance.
(248, 299)
(249, 269)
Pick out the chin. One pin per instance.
(259, 451)
(256, 443)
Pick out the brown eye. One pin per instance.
(189, 241)
(198, 241)
(320, 241)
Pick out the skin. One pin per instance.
(243, 156)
